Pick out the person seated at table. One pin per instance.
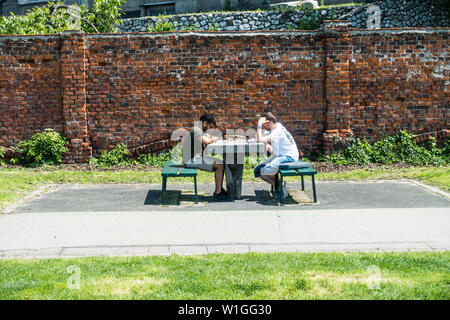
(282, 146)
(193, 146)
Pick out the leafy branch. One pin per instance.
(53, 18)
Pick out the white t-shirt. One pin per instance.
(282, 142)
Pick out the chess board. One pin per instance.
(233, 150)
(236, 145)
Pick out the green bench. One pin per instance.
(176, 169)
(298, 172)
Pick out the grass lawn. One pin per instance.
(233, 276)
(18, 182)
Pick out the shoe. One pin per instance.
(284, 191)
(220, 196)
(224, 192)
(276, 195)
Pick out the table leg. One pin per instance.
(238, 181)
(229, 180)
(233, 175)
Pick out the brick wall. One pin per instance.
(103, 89)
(30, 87)
(399, 80)
(142, 88)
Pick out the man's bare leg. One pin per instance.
(270, 179)
(219, 169)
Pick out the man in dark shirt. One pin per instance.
(193, 146)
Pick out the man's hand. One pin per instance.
(208, 139)
(269, 148)
(261, 121)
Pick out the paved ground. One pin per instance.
(255, 196)
(78, 220)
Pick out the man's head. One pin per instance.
(271, 121)
(208, 121)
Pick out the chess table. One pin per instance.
(234, 152)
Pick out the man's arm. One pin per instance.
(208, 139)
(259, 134)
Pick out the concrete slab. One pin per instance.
(68, 234)
(104, 251)
(188, 249)
(121, 220)
(331, 195)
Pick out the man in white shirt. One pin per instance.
(282, 146)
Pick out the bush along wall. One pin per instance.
(43, 148)
(400, 148)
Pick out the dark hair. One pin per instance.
(208, 118)
(269, 116)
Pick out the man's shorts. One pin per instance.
(270, 166)
(202, 163)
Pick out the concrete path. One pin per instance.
(83, 228)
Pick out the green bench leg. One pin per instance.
(281, 189)
(195, 187)
(314, 188)
(163, 190)
(303, 184)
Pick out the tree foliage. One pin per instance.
(55, 17)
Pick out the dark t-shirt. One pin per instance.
(192, 144)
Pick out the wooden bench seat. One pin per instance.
(298, 172)
(177, 169)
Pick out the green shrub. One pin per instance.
(157, 160)
(162, 26)
(359, 152)
(252, 161)
(115, 157)
(336, 157)
(400, 148)
(43, 148)
(445, 152)
(384, 151)
(154, 159)
(2, 156)
(311, 20)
